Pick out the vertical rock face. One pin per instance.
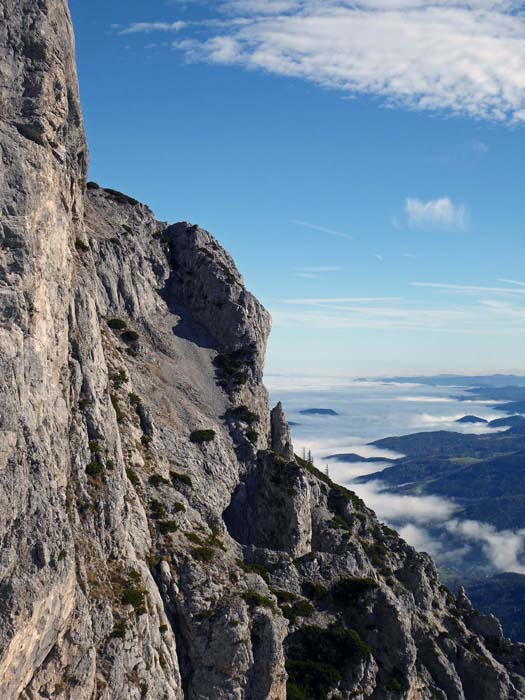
(158, 538)
(281, 437)
(43, 166)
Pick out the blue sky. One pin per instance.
(362, 162)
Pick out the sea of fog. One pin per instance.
(371, 410)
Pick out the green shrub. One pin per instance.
(259, 569)
(157, 509)
(121, 198)
(134, 596)
(81, 246)
(132, 352)
(133, 476)
(314, 591)
(83, 404)
(200, 436)
(256, 600)
(317, 657)
(349, 591)
(130, 336)
(163, 629)
(284, 596)
(167, 526)
(119, 630)
(301, 608)
(146, 440)
(376, 552)
(293, 692)
(157, 480)
(183, 478)
(135, 400)
(61, 555)
(252, 436)
(395, 685)
(127, 228)
(110, 464)
(203, 553)
(94, 446)
(117, 324)
(179, 507)
(244, 414)
(94, 469)
(119, 378)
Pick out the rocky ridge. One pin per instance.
(159, 539)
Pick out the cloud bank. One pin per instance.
(465, 58)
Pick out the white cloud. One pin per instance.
(516, 282)
(467, 58)
(399, 508)
(469, 288)
(316, 272)
(323, 229)
(149, 27)
(504, 548)
(436, 213)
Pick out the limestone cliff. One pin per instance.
(158, 539)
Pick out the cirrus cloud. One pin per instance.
(467, 58)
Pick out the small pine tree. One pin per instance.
(310, 457)
(304, 454)
(327, 471)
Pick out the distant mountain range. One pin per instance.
(460, 380)
(485, 476)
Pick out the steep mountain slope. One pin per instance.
(158, 538)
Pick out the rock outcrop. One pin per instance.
(158, 538)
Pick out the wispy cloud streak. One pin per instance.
(467, 58)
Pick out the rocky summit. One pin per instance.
(158, 537)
